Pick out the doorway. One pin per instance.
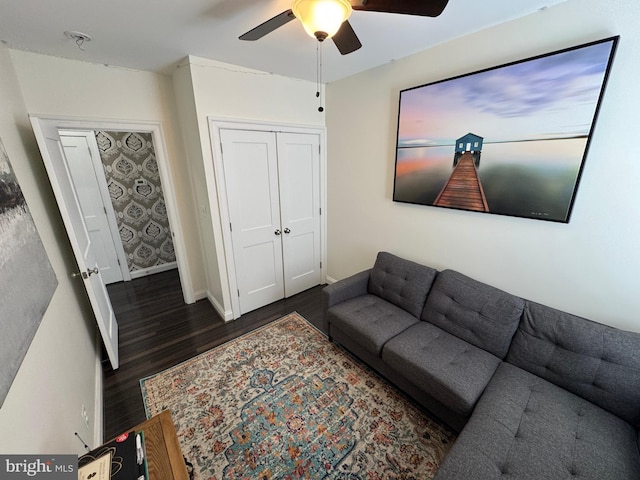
(47, 131)
(131, 225)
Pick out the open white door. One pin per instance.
(97, 210)
(48, 138)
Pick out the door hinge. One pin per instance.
(238, 293)
(118, 260)
(230, 227)
(105, 209)
(320, 264)
(320, 210)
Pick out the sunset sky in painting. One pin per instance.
(550, 97)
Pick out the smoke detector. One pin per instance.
(78, 37)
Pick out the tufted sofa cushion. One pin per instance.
(369, 320)
(526, 428)
(453, 372)
(473, 311)
(401, 282)
(597, 362)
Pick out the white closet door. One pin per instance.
(299, 181)
(251, 178)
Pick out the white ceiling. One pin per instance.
(154, 35)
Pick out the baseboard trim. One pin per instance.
(200, 295)
(227, 315)
(98, 409)
(330, 280)
(143, 272)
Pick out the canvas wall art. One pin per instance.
(509, 140)
(27, 280)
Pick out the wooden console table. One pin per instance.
(164, 457)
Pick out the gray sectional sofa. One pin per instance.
(535, 393)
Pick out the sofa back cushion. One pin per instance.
(473, 311)
(595, 361)
(401, 282)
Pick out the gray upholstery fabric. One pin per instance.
(597, 362)
(525, 428)
(453, 372)
(370, 321)
(347, 288)
(342, 290)
(401, 282)
(473, 311)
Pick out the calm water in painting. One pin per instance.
(534, 179)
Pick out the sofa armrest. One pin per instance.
(342, 290)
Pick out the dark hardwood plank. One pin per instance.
(158, 330)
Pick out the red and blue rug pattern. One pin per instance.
(283, 402)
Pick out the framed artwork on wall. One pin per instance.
(508, 140)
(27, 280)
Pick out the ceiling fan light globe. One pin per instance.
(321, 16)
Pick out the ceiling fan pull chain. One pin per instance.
(319, 74)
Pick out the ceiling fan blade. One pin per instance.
(346, 39)
(268, 26)
(424, 8)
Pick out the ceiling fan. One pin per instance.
(310, 12)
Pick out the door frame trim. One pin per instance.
(217, 191)
(164, 169)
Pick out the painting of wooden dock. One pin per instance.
(509, 140)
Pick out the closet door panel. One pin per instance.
(299, 181)
(251, 177)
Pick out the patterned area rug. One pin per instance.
(283, 402)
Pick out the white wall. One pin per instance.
(588, 267)
(61, 370)
(214, 89)
(73, 89)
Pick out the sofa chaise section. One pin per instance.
(565, 404)
(526, 428)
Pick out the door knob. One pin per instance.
(277, 232)
(286, 230)
(87, 274)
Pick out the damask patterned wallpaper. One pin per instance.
(133, 179)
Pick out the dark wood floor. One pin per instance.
(158, 330)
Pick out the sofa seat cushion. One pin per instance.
(474, 311)
(451, 370)
(526, 428)
(369, 320)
